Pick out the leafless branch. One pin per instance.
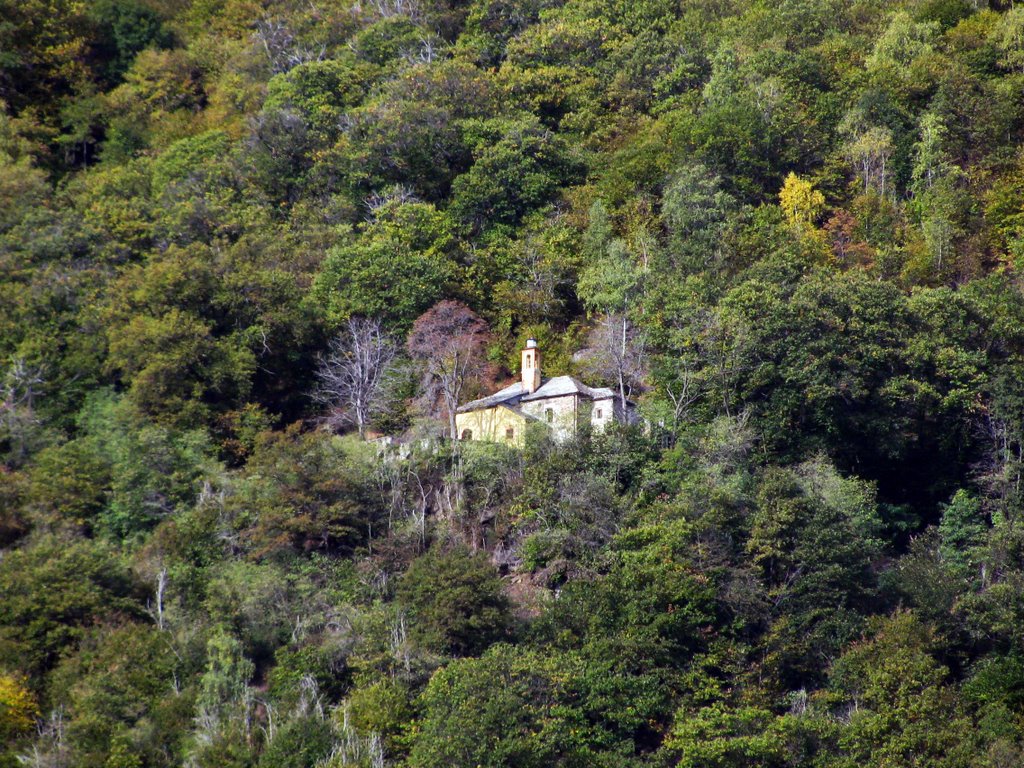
(283, 50)
(619, 352)
(351, 375)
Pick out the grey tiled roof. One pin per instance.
(511, 392)
(557, 386)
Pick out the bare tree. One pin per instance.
(683, 390)
(20, 386)
(156, 611)
(538, 279)
(398, 194)
(870, 152)
(351, 376)
(429, 49)
(352, 748)
(450, 340)
(619, 352)
(51, 749)
(1000, 472)
(283, 50)
(387, 9)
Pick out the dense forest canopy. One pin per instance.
(241, 238)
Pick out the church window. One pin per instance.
(600, 413)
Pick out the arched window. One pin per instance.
(510, 434)
(549, 414)
(467, 434)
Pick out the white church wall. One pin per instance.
(602, 413)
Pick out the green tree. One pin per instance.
(125, 27)
(518, 167)
(399, 266)
(303, 743)
(695, 209)
(223, 705)
(116, 688)
(722, 737)
(71, 482)
(53, 591)
(962, 530)
(510, 707)
(903, 710)
(154, 471)
(321, 92)
(455, 601)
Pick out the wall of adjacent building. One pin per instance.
(604, 412)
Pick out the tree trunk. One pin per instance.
(622, 362)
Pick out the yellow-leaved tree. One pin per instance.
(18, 709)
(801, 203)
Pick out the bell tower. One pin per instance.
(531, 367)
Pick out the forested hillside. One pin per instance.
(791, 230)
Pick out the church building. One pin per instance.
(562, 404)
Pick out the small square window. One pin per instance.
(510, 434)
